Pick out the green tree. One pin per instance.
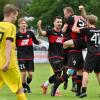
(48, 9)
(2, 4)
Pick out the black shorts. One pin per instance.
(56, 64)
(92, 63)
(26, 65)
(75, 60)
(65, 61)
(80, 43)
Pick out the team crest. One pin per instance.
(28, 36)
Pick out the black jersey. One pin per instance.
(55, 43)
(92, 39)
(72, 35)
(24, 44)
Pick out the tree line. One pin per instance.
(48, 9)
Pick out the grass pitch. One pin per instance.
(42, 72)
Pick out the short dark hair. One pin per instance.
(10, 8)
(57, 17)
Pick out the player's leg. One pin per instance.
(74, 77)
(79, 82)
(45, 85)
(64, 77)
(29, 77)
(57, 66)
(1, 81)
(20, 95)
(23, 74)
(30, 70)
(98, 77)
(97, 69)
(68, 43)
(77, 63)
(12, 79)
(89, 66)
(65, 67)
(22, 68)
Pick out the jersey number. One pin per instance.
(1, 36)
(81, 23)
(96, 38)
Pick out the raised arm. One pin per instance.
(82, 11)
(40, 30)
(64, 28)
(75, 28)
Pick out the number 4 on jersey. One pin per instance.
(96, 38)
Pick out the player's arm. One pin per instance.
(75, 28)
(40, 30)
(34, 39)
(82, 11)
(10, 36)
(64, 28)
(7, 54)
(69, 21)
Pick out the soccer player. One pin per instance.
(24, 43)
(75, 57)
(9, 71)
(76, 41)
(92, 61)
(45, 85)
(55, 54)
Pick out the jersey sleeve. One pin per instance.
(48, 32)
(34, 38)
(11, 33)
(84, 31)
(70, 20)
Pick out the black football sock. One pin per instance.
(79, 83)
(29, 80)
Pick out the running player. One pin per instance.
(55, 54)
(25, 55)
(92, 61)
(9, 71)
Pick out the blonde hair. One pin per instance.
(10, 8)
(21, 19)
(92, 19)
(69, 9)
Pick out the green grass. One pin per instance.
(42, 72)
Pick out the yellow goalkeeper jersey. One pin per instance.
(7, 30)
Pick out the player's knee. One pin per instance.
(58, 74)
(70, 72)
(24, 73)
(80, 72)
(52, 79)
(30, 75)
(20, 91)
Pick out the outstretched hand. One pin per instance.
(39, 23)
(81, 7)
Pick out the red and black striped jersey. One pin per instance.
(55, 43)
(72, 35)
(24, 44)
